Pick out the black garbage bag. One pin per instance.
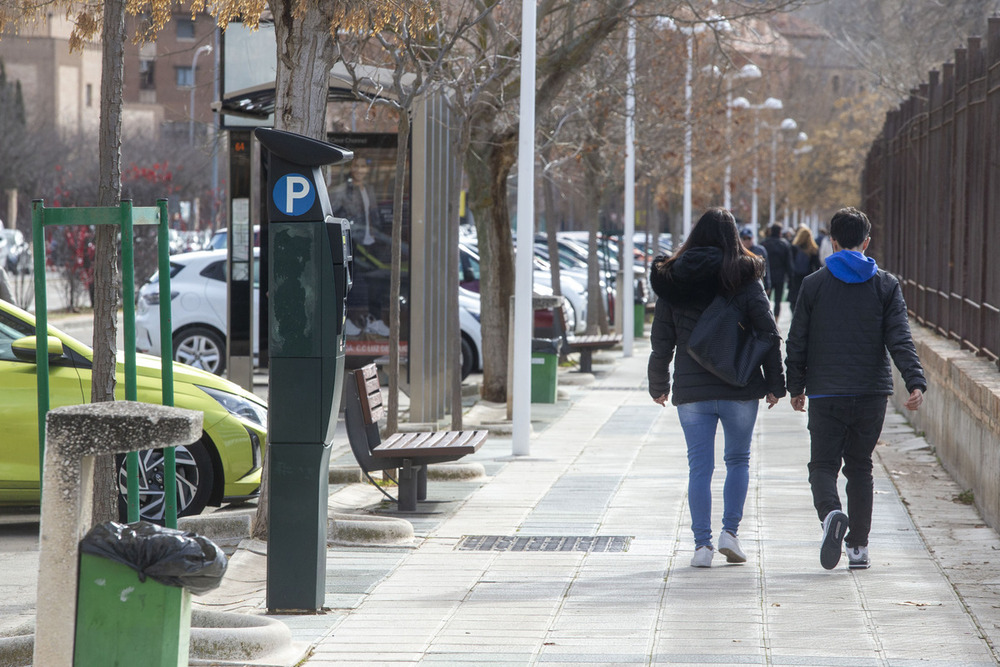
(546, 345)
(171, 557)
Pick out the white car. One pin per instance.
(199, 309)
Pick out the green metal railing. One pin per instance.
(125, 216)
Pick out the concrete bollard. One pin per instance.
(74, 435)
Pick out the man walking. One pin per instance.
(749, 241)
(849, 319)
(779, 257)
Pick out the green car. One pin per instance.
(223, 467)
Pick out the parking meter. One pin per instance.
(309, 276)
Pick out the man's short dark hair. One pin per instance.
(775, 229)
(850, 227)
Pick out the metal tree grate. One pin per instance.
(543, 543)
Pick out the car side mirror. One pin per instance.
(25, 348)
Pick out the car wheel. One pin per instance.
(468, 357)
(202, 348)
(195, 477)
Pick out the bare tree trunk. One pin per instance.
(305, 56)
(591, 179)
(402, 143)
(459, 147)
(549, 201)
(106, 276)
(488, 166)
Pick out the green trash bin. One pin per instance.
(133, 602)
(544, 369)
(639, 326)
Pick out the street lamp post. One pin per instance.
(748, 71)
(787, 125)
(205, 48)
(772, 103)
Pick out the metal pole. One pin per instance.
(204, 48)
(774, 169)
(521, 384)
(627, 290)
(753, 201)
(727, 179)
(688, 77)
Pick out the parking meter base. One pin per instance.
(296, 543)
(123, 621)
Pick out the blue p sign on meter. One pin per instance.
(294, 194)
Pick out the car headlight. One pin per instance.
(239, 406)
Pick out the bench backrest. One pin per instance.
(361, 414)
(563, 322)
(370, 393)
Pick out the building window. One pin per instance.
(146, 71)
(836, 84)
(90, 95)
(185, 77)
(185, 28)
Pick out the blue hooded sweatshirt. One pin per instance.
(850, 266)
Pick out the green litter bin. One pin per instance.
(639, 325)
(133, 602)
(544, 369)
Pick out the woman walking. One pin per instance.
(804, 260)
(712, 261)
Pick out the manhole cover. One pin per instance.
(549, 543)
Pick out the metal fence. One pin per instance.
(931, 186)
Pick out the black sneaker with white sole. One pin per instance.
(834, 530)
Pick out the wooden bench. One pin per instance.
(409, 452)
(585, 344)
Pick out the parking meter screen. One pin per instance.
(361, 192)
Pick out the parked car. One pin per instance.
(199, 312)
(223, 466)
(575, 293)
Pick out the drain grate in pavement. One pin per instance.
(542, 543)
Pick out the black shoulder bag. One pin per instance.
(725, 343)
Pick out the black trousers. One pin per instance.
(843, 431)
(779, 293)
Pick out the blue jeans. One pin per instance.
(700, 421)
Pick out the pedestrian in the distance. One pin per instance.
(804, 260)
(749, 240)
(778, 257)
(6, 293)
(711, 261)
(849, 321)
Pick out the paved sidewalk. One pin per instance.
(608, 462)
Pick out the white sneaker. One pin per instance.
(729, 546)
(834, 531)
(702, 557)
(377, 327)
(857, 558)
(351, 329)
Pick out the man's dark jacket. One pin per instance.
(779, 258)
(849, 319)
(685, 288)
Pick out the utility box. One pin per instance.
(309, 276)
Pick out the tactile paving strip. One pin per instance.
(545, 543)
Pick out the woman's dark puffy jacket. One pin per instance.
(692, 283)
